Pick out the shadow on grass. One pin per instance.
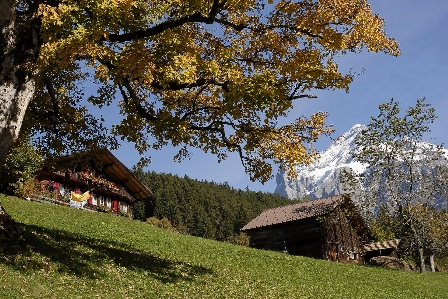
(59, 251)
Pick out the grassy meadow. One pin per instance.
(79, 254)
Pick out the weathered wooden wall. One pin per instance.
(329, 237)
(300, 237)
(340, 241)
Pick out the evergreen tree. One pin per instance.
(207, 209)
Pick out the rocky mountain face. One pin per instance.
(321, 178)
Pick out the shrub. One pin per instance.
(124, 214)
(103, 209)
(240, 239)
(162, 223)
(33, 189)
(21, 164)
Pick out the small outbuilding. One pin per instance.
(328, 228)
(385, 248)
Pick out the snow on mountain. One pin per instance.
(321, 178)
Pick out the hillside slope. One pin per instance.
(80, 254)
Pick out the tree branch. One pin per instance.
(135, 100)
(197, 17)
(52, 94)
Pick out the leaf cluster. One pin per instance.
(21, 164)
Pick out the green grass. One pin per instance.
(79, 254)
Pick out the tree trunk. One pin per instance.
(20, 44)
(14, 100)
(431, 262)
(19, 49)
(422, 261)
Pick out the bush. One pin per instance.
(124, 214)
(21, 164)
(162, 223)
(33, 189)
(442, 264)
(103, 209)
(240, 239)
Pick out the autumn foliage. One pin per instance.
(215, 75)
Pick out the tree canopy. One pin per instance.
(215, 75)
(405, 175)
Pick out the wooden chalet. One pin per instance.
(111, 186)
(330, 228)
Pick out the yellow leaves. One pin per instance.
(220, 87)
(182, 68)
(242, 5)
(286, 145)
(102, 72)
(336, 25)
(135, 62)
(121, 4)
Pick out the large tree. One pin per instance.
(215, 75)
(404, 175)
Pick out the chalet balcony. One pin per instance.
(99, 185)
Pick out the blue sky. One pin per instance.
(420, 26)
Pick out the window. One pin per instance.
(101, 200)
(109, 203)
(123, 207)
(61, 190)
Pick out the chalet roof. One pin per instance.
(309, 209)
(382, 245)
(117, 171)
(121, 174)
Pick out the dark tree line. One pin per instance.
(207, 209)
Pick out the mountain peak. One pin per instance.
(321, 178)
(349, 136)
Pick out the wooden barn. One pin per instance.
(329, 228)
(105, 182)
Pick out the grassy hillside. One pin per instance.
(80, 254)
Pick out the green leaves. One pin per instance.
(20, 165)
(405, 175)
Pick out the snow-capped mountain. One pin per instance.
(321, 178)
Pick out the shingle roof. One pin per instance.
(293, 212)
(382, 245)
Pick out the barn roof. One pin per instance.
(309, 209)
(382, 245)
